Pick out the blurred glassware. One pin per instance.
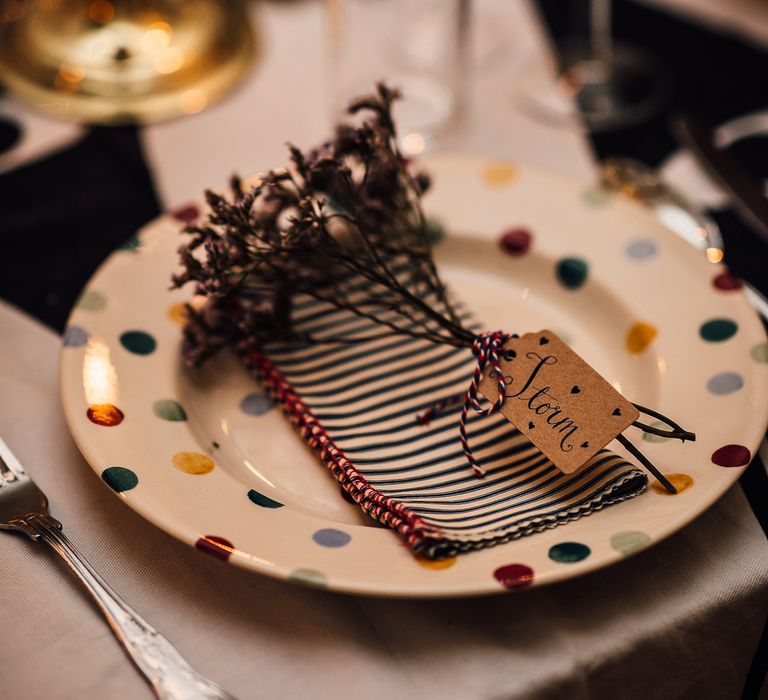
(123, 61)
(418, 46)
(597, 85)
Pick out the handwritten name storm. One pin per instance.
(541, 402)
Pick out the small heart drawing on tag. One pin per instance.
(575, 390)
(543, 341)
(585, 444)
(616, 412)
(531, 425)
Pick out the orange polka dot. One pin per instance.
(436, 564)
(105, 414)
(680, 481)
(639, 337)
(193, 463)
(499, 174)
(178, 313)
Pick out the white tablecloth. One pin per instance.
(681, 620)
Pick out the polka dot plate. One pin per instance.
(205, 456)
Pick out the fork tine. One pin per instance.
(10, 467)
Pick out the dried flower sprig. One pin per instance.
(347, 210)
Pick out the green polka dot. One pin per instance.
(91, 300)
(630, 541)
(264, 501)
(595, 197)
(310, 577)
(759, 353)
(569, 552)
(120, 479)
(435, 230)
(572, 272)
(133, 243)
(138, 342)
(718, 329)
(649, 437)
(168, 409)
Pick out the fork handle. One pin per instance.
(170, 676)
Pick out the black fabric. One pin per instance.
(62, 215)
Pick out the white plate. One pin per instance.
(637, 273)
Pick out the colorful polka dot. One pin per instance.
(310, 577)
(329, 537)
(436, 564)
(120, 479)
(514, 576)
(264, 501)
(641, 249)
(759, 353)
(681, 482)
(178, 313)
(499, 174)
(726, 282)
(186, 214)
(725, 383)
(170, 410)
(74, 337)
(572, 272)
(731, 456)
(193, 463)
(515, 241)
(105, 414)
(435, 230)
(569, 552)
(133, 243)
(91, 300)
(630, 541)
(650, 437)
(256, 404)
(639, 337)
(215, 546)
(138, 342)
(595, 196)
(718, 329)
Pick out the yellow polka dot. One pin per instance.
(436, 564)
(178, 313)
(193, 463)
(639, 337)
(680, 481)
(499, 174)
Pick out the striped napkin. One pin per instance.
(357, 405)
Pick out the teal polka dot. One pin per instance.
(264, 501)
(572, 272)
(759, 353)
(309, 576)
(330, 537)
(120, 479)
(256, 403)
(138, 342)
(91, 300)
(133, 243)
(168, 409)
(569, 552)
(718, 329)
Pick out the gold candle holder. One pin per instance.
(127, 61)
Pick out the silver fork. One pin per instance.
(24, 508)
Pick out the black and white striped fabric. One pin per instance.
(367, 396)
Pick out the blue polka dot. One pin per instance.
(641, 249)
(264, 501)
(75, 337)
(725, 383)
(328, 537)
(256, 404)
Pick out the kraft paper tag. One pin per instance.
(557, 400)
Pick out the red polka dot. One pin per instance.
(514, 576)
(215, 546)
(731, 456)
(105, 414)
(186, 214)
(515, 241)
(726, 282)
